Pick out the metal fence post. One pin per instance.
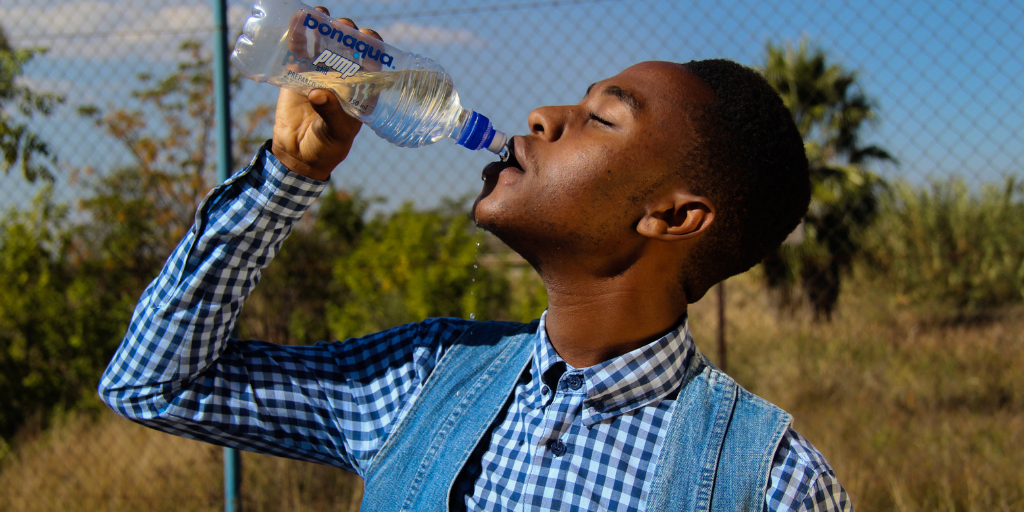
(232, 458)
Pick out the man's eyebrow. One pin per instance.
(626, 97)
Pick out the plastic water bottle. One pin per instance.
(407, 99)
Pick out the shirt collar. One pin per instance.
(630, 381)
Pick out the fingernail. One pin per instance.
(374, 32)
(350, 21)
(323, 9)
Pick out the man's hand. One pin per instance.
(313, 134)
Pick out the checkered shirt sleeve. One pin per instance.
(178, 371)
(802, 480)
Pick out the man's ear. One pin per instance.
(677, 216)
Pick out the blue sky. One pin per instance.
(946, 76)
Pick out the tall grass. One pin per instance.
(956, 250)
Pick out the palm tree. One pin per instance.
(829, 109)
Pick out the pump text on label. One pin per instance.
(328, 59)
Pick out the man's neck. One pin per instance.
(590, 321)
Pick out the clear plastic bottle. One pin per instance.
(407, 99)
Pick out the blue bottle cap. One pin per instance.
(479, 133)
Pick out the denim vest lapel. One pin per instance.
(719, 447)
(415, 468)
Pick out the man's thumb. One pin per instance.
(328, 107)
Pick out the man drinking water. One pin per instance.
(661, 182)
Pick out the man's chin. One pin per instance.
(489, 208)
(505, 229)
(473, 212)
(488, 222)
(486, 215)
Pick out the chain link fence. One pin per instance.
(917, 229)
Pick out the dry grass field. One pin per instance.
(105, 463)
(914, 415)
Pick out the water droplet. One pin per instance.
(472, 316)
(474, 265)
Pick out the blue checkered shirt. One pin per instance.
(569, 439)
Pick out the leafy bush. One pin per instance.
(340, 274)
(945, 245)
(290, 304)
(56, 331)
(414, 264)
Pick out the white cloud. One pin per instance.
(31, 23)
(115, 29)
(401, 33)
(96, 29)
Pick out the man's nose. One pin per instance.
(549, 122)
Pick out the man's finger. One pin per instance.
(290, 96)
(297, 44)
(349, 22)
(336, 121)
(371, 32)
(317, 41)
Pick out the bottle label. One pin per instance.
(363, 50)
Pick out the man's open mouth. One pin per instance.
(493, 169)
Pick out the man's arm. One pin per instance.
(169, 362)
(177, 369)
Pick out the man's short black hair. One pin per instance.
(749, 161)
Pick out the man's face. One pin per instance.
(584, 175)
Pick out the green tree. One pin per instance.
(414, 264)
(141, 210)
(67, 291)
(22, 148)
(290, 304)
(830, 110)
(56, 330)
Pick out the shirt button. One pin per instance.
(558, 448)
(575, 382)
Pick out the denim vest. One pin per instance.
(717, 454)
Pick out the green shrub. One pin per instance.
(56, 330)
(289, 305)
(410, 265)
(949, 247)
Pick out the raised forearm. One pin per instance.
(184, 318)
